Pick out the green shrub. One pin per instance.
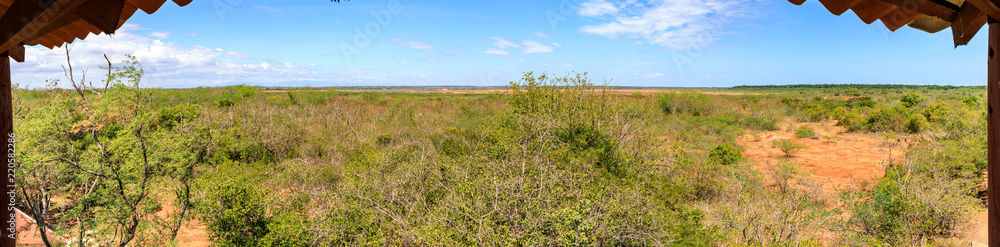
(760, 122)
(911, 99)
(788, 146)
(862, 102)
(889, 119)
(972, 101)
(667, 103)
(169, 118)
(234, 212)
(790, 101)
(910, 205)
(695, 104)
(838, 113)
(917, 123)
(805, 132)
(226, 103)
(287, 229)
(725, 154)
(373, 97)
(245, 91)
(591, 145)
(936, 112)
(852, 121)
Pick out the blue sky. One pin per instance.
(667, 43)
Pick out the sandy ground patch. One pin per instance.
(192, 232)
(836, 158)
(839, 159)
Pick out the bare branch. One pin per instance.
(69, 75)
(108, 81)
(77, 166)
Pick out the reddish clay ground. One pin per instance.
(192, 232)
(837, 161)
(842, 161)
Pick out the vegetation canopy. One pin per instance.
(550, 160)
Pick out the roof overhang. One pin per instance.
(965, 17)
(53, 23)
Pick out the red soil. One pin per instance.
(837, 159)
(843, 160)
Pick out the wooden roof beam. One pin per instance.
(870, 10)
(926, 7)
(969, 20)
(26, 17)
(898, 18)
(103, 14)
(17, 53)
(838, 7)
(987, 6)
(148, 6)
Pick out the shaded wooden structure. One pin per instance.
(965, 18)
(49, 23)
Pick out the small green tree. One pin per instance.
(889, 119)
(917, 123)
(936, 112)
(972, 101)
(805, 132)
(725, 154)
(788, 146)
(912, 99)
(234, 212)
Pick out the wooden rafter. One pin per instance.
(968, 22)
(25, 18)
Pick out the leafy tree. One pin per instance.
(107, 151)
(788, 146)
(725, 154)
(972, 101)
(917, 123)
(234, 212)
(912, 99)
(936, 112)
(889, 119)
(805, 132)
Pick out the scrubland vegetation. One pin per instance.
(553, 160)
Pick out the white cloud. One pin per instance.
(162, 35)
(169, 64)
(535, 47)
(412, 44)
(495, 51)
(674, 24)
(542, 35)
(503, 43)
(653, 75)
(594, 8)
(556, 44)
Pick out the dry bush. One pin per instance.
(788, 212)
